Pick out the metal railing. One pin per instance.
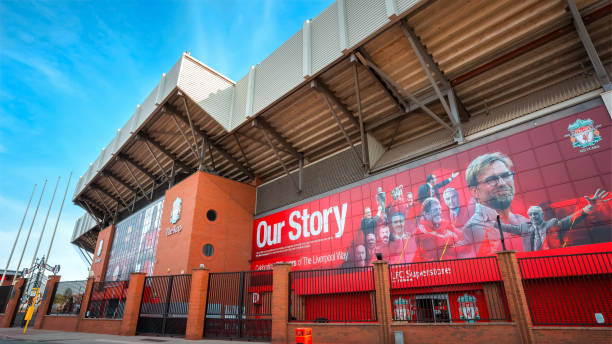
(333, 295)
(164, 306)
(107, 300)
(67, 298)
(458, 290)
(5, 295)
(568, 289)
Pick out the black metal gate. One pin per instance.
(239, 305)
(164, 306)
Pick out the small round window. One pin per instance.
(211, 215)
(208, 250)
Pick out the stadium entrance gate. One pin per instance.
(239, 305)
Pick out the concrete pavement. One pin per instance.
(15, 335)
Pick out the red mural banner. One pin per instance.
(547, 184)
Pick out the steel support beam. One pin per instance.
(375, 125)
(124, 184)
(402, 105)
(346, 136)
(116, 190)
(193, 150)
(409, 95)
(428, 64)
(102, 201)
(107, 194)
(225, 154)
(262, 142)
(323, 90)
(202, 165)
(263, 124)
(161, 168)
(125, 157)
(585, 38)
(280, 161)
(160, 148)
(127, 166)
(246, 161)
(364, 137)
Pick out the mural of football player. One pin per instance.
(436, 238)
(550, 234)
(491, 183)
(457, 215)
(431, 188)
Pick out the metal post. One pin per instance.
(58, 219)
(29, 231)
(240, 304)
(17, 238)
(167, 307)
(501, 233)
(42, 231)
(600, 70)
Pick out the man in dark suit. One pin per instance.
(432, 189)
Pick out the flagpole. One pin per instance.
(42, 232)
(58, 219)
(29, 231)
(17, 238)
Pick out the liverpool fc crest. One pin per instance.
(176, 210)
(583, 133)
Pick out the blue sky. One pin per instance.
(72, 72)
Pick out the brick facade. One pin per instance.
(44, 305)
(132, 304)
(197, 304)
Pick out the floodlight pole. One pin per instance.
(17, 238)
(30, 230)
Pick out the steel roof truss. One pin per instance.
(202, 165)
(116, 190)
(156, 160)
(428, 64)
(169, 154)
(107, 194)
(124, 157)
(263, 124)
(134, 177)
(195, 141)
(364, 138)
(102, 200)
(189, 144)
(401, 104)
(273, 148)
(346, 136)
(214, 145)
(246, 161)
(320, 87)
(585, 38)
(409, 95)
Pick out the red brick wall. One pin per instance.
(230, 234)
(99, 263)
(103, 326)
(498, 333)
(563, 335)
(60, 323)
(338, 333)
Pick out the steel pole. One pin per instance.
(58, 219)
(17, 238)
(42, 232)
(30, 230)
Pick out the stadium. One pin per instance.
(396, 171)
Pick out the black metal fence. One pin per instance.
(239, 305)
(165, 302)
(333, 295)
(67, 298)
(459, 290)
(569, 289)
(5, 296)
(107, 300)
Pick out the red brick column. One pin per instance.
(86, 296)
(280, 302)
(43, 307)
(383, 300)
(132, 304)
(515, 294)
(11, 306)
(196, 313)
